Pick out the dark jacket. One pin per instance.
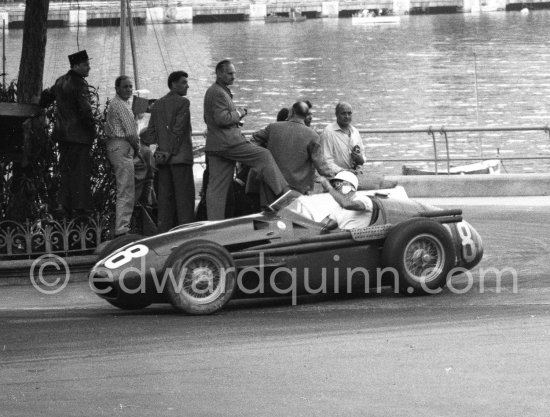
(221, 118)
(296, 149)
(74, 117)
(170, 127)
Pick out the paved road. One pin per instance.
(479, 353)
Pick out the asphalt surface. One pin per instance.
(479, 348)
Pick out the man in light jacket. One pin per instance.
(225, 145)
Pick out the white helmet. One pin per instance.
(349, 177)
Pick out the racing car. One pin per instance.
(285, 250)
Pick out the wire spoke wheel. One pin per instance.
(420, 253)
(423, 257)
(204, 277)
(201, 277)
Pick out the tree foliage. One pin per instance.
(29, 187)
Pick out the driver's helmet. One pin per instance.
(347, 176)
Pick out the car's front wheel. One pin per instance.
(420, 253)
(202, 277)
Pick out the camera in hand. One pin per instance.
(243, 112)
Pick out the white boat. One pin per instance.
(490, 166)
(373, 20)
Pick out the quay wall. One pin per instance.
(480, 185)
(107, 12)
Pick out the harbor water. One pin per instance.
(418, 73)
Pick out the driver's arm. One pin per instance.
(328, 225)
(342, 200)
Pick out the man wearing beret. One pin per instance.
(75, 132)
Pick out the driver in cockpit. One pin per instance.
(354, 211)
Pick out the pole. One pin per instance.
(4, 54)
(477, 106)
(122, 37)
(133, 44)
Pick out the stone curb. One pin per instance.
(18, 272)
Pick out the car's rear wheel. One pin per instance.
(203, 277)
(113, 245)
(422, 253)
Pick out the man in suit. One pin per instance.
(296, 149)
(225, 145)
(170, 128)
(74, 131)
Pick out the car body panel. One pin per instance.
(287, 240)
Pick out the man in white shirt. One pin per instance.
(341, 142)
(355, 211)
(123, 152)
(343, 149)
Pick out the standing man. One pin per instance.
(341, 142)
(170, 128)
(225, 145)
(295, 148)
(75, 132)
(124, 154)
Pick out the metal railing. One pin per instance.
(65, 237)
(433, 132)
(444, 131)
(76, 237)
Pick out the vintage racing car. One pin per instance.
(199, 267)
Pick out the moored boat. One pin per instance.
(491, 166)
(373, 19)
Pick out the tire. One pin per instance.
(422, 253)
(117, 243)
(204, 277)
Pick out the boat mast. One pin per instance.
(477, 106)
(133, 44)
(122, 37)
(4, 54)
(126, 16)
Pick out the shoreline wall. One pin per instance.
(479, 185)
(107, 12)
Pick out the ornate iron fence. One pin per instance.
(29, 240)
